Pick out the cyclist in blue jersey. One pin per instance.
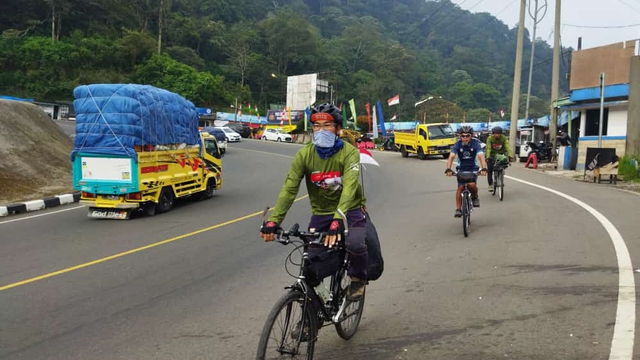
(469, 151)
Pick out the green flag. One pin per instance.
(352, 105)
(345, 124)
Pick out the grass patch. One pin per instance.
(628, 168)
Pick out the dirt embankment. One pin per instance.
(34, 152)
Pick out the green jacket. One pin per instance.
(332, 183)
(498, 146)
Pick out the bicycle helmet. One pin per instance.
(465, 129)
(329, 109)
(496, 130)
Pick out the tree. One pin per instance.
(137, 46)
(292, 42)
(162, 71)
(478, 115)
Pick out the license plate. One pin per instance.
(111, 197)
(96, 213)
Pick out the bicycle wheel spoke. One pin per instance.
(288, 333)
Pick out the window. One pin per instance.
(211, 147)
(440, 132)
(423, 133)
(592, 127)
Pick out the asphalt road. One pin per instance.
(538, 278)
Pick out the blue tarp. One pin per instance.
(111, 119)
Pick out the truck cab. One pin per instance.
(428, 139)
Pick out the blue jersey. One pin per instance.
(467, 154)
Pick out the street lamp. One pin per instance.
(281, 87)
(424, 118)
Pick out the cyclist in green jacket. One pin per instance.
(497, 143)
(331, 168)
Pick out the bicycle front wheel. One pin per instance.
(290, 331)
(466, 214)
(495, 182)
(501, 191)
(349, 320)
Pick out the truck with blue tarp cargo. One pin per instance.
(138, 147)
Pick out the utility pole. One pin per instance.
(235, 110)
(515, 100)
(555, 80)
(53, 21)
(536, 21)
(160, 26)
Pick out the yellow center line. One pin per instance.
(133, 251)
(265, 152)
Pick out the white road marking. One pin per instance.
(624, 329)
(39, 215)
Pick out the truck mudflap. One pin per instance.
(102, 213)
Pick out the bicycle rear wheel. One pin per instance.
(280, 339)
(348, 322)
(466, 214)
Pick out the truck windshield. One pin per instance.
(211, 147)
(440, 132)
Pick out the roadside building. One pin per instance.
(586, 65)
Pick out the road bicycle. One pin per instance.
(291, 329)
(466, 177)
(498, 178)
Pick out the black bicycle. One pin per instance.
(498, 178)
(466, 177)
(291, 329)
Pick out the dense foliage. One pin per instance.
(214, 51)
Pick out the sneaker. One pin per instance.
(476, 202)
(490, 188)
(356, 290)
(295, 333)
(457, 213)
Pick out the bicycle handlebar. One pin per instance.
(470, 172)
(311, 238)
(317, 238)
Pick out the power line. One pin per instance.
(631, 7)
(459, 16)
(601, 27)
(449, 13)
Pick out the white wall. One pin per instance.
(617, 121)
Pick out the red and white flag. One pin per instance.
(502, 112)
(367, 158)
(394, 100)
(394, 117)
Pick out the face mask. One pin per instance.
(324, 138)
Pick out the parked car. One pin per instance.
(220, 136)
(243, 130)
(276, 135)
(231, 135)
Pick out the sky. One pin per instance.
(615, 14)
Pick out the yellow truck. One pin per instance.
(138, 148)
(428, 139)
(114, 186)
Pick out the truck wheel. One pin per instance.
(421, 154)
(208, 192)
(404, 152)
(165, 202)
